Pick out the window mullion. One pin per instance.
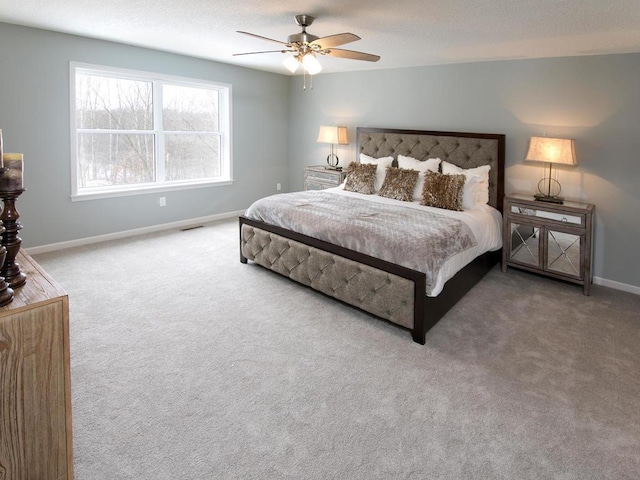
(158, 132)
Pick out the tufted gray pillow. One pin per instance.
(443, 191)
(361, 178)
(399, 184)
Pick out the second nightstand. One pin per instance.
(319, 178)
(547, 238)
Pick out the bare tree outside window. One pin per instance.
(118, 145)
(190, 122)
(112, 110)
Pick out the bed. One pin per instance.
(381, 284)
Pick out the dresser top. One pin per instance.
(39, 288)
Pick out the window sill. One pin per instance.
(79, 197)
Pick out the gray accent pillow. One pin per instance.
(399, 184)
(443, 191)
(361, 178)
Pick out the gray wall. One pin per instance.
(595, 100)
(34, 117)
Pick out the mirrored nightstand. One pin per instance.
(549, 239)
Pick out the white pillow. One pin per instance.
(429, 165)
(381, 170)
(474, 193)
(476, 186)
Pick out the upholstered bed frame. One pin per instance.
(386, 290)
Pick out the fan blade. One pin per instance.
(340, 53)
(268, 51)
(263, 38)
(335, 40)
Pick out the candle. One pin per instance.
(11, 175)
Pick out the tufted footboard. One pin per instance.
(388, 291)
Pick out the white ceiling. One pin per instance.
(402, 32)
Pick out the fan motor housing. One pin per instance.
(302, 37)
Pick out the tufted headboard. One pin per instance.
(466, 150)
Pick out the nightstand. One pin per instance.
(319, 178)
(549, 239)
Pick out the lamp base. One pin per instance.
(332, 160)
(547, 198)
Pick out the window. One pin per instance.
(135, 132)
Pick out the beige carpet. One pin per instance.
(187, 364)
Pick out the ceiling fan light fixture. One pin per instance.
(305, 46)
(311, 64)
(291, 63)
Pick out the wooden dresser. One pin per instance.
(35, 401)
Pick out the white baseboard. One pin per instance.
(130, 233)
(616, 285)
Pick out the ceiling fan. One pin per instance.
(306, 46)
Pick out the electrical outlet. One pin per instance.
(278, 186)
(162, 201)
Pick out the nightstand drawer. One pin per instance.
(318, 178)
(324, 177)
(309, 185)
(552, 216)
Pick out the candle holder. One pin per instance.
(10, 270)
(6, 293)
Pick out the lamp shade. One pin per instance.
(291, 63)
(552, 150)
(333, 135)
(311, 64)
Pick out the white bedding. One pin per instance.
(484, 221)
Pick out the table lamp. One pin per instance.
(333, 136)
(551, 150)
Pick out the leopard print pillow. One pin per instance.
(361, 178)
(443, 191)
(399, 184)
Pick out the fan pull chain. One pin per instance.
(304, 80)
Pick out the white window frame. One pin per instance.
(157, 80)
